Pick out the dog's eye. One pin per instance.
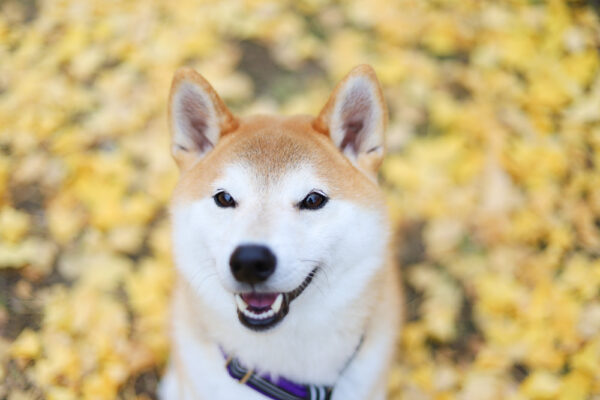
(224, 199)
(313, 201)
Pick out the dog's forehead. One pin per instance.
(268, 148)
(272, 147)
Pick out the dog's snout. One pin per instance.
(252, 263)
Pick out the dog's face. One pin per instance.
(266, 207)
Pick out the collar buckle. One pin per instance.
(247, 376)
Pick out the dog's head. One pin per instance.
(270, 208)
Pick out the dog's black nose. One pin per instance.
(252, 263)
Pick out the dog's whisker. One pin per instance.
(319, 288)
(312, 274)
(325, 274)
(310, 261)
(204, 278)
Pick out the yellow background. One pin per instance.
(492, 177)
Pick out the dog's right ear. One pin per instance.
(197, 117)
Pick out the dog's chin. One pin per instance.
(263, 311)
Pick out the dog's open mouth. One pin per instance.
(260, 311)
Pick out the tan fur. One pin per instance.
(273, 144)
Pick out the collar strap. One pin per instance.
(276, 389)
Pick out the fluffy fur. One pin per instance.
(269, 164)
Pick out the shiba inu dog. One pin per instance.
(286, 285)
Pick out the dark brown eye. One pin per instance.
(224, 199)
(313, 201)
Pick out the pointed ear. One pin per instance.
(197, 117)
(355, 118)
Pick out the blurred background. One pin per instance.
(492, 178)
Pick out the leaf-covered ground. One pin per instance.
(493, 180)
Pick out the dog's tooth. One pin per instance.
(241, 303)
(276, 306)
(262, 315)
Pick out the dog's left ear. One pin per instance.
(355, 118)
(198, 117)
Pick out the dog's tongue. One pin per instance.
(259, 300)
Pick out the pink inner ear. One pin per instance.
(196, 115)
(355, 112)
(351, 132)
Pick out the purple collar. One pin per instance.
(276, 389)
